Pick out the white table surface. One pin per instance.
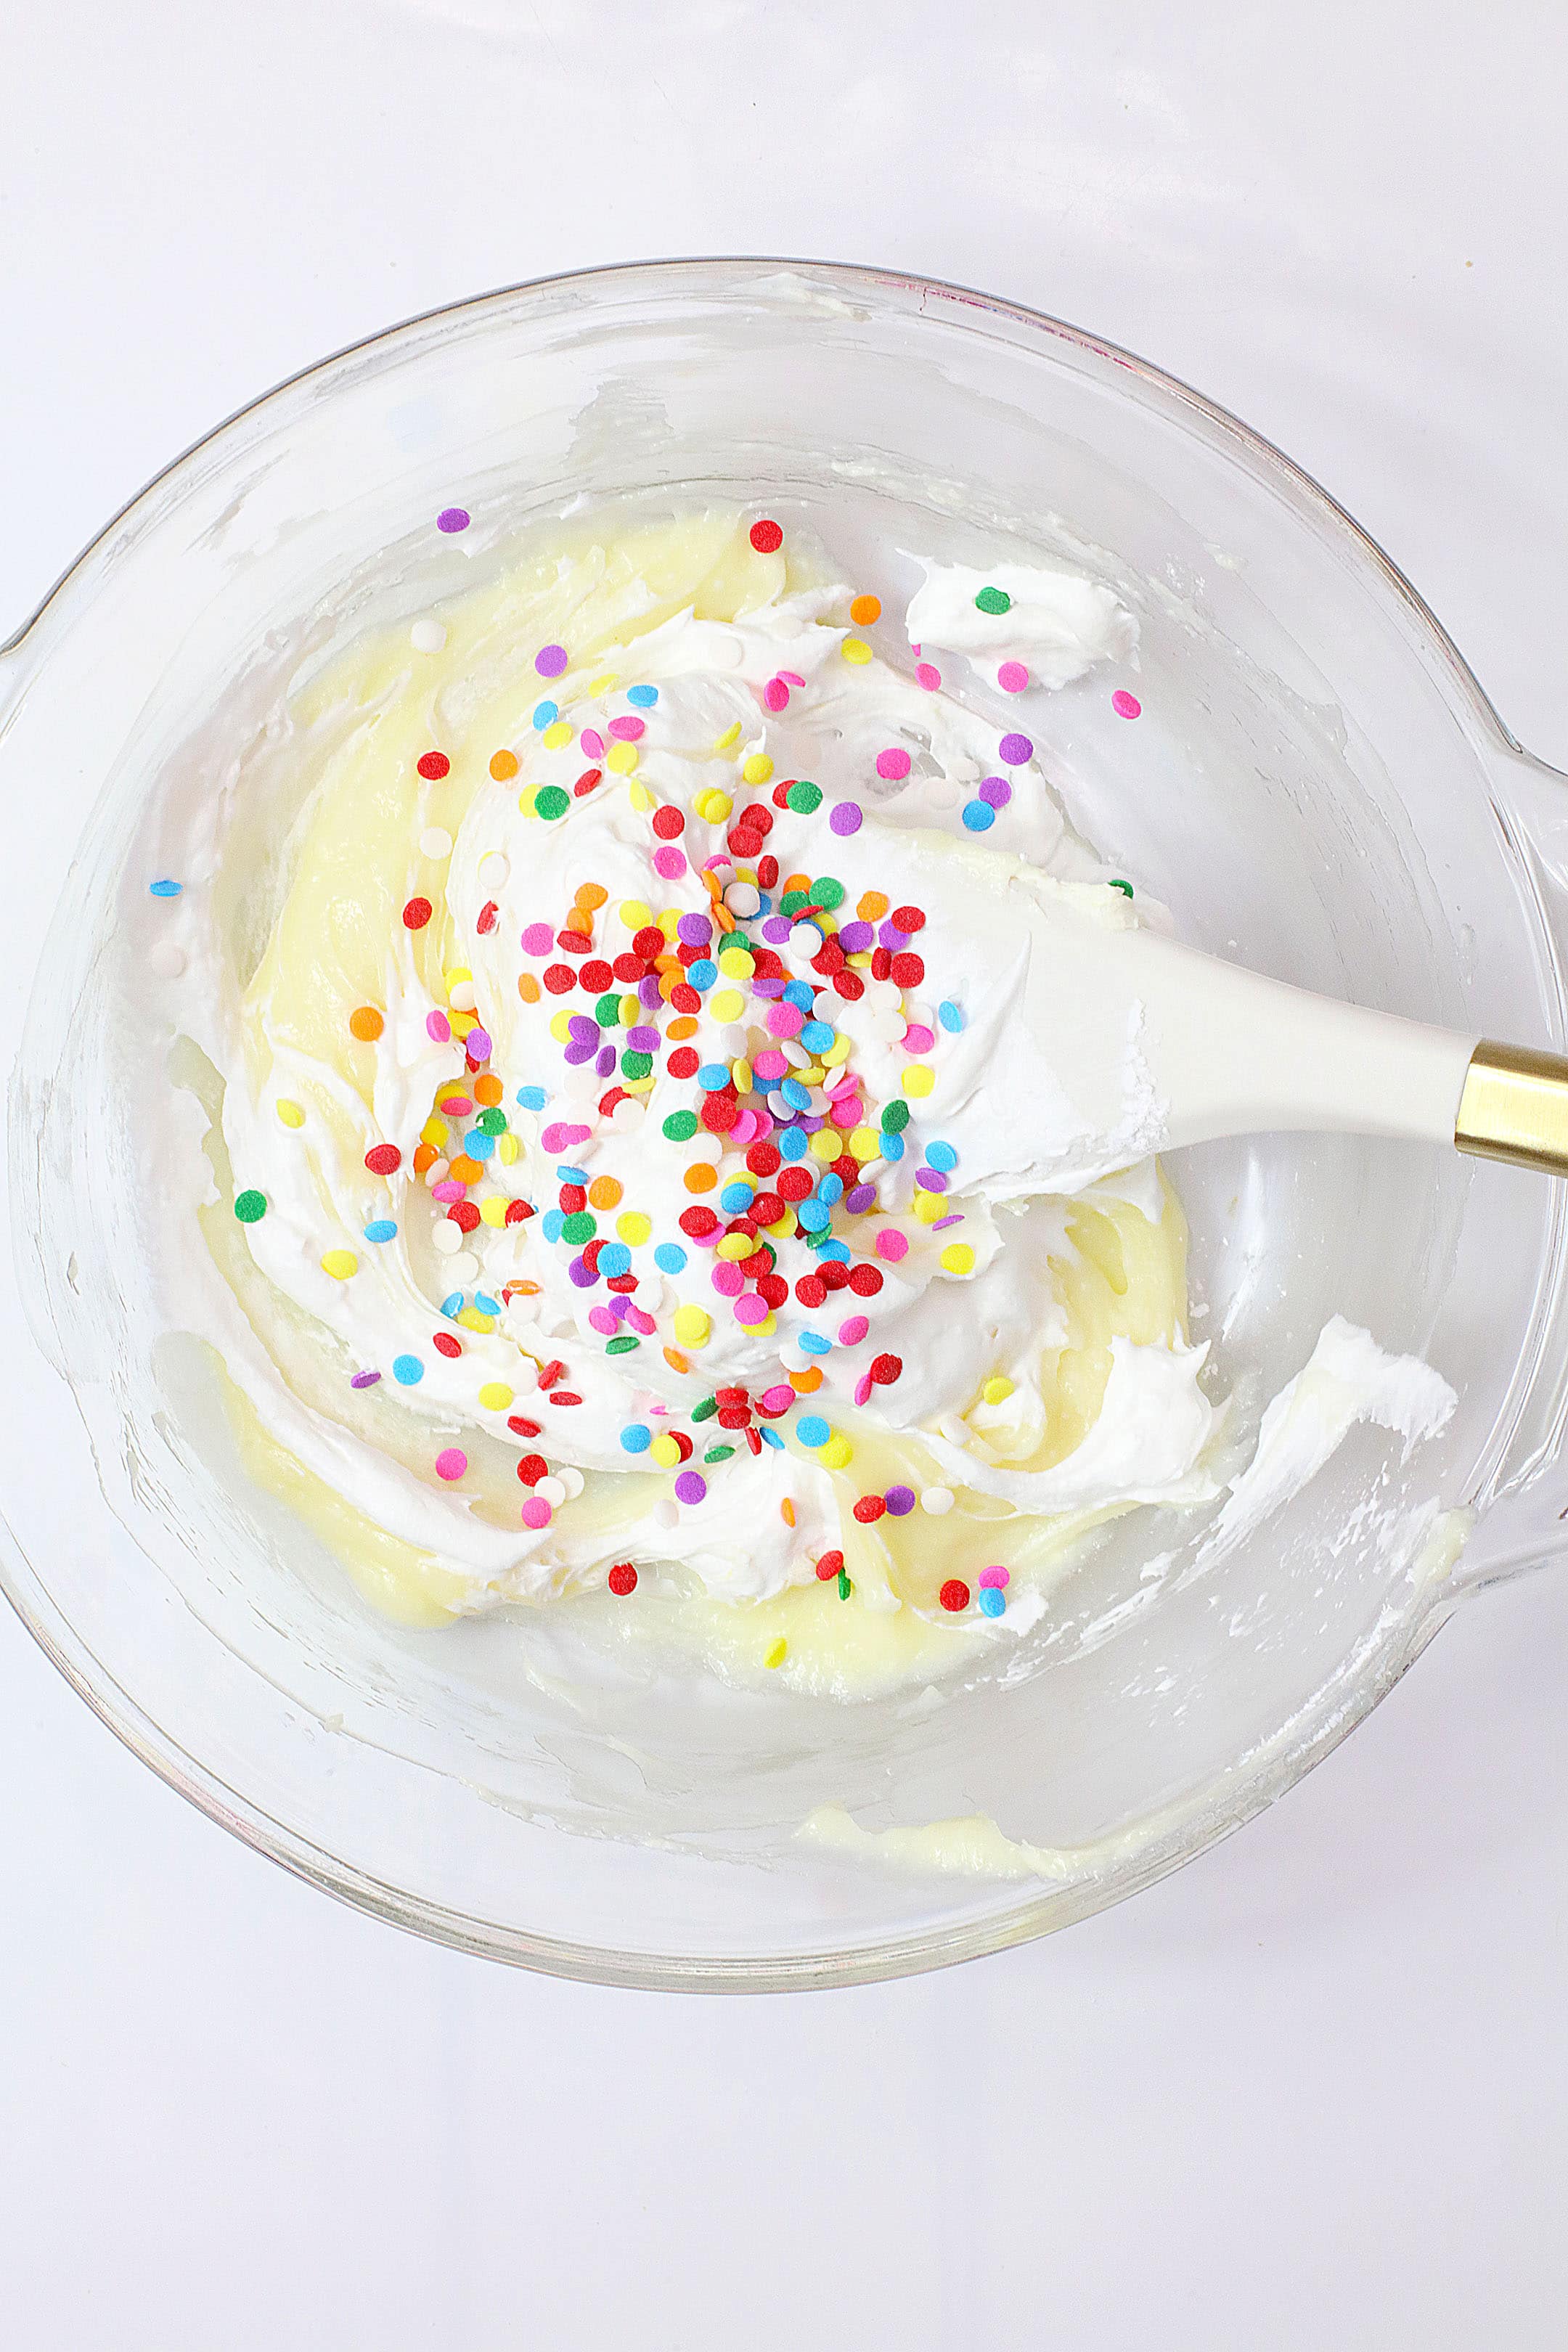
(1308, 2094)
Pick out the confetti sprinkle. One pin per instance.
(1125, 705)
(1015, 750)
(766, 537)
(452, 519)
(250, 1207)
(165, 888)
(994, 600)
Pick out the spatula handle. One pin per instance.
(1515, 1107)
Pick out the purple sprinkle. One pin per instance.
(365, 1379)
(643, 1041)
(584, 1027)
(891, 937)
(901, 1500)
(691, 1486)
(580, 1050)
(846, 817)
(451, 518)
(776, 929)
(811, 1126)
(583, 1275)
(942, 1224)
(996, 791)
(551, 660)
(771, 988)
(859, 1198)
(478, 1043)
(648, 990)
(931, 1180)
(1015, 750)
(620, 1307)
(695, 929)
(853, 938)
(606, 1061)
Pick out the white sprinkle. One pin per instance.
(627, 1114)
(732, 1037)
(167, 959)
(888, 1027)
(463, 1269)
(936, 1501)
(572, 1480)
(805, 940)
(666, 1515)
(427, 636)
(434, 1173)
(434, 842)
(742, 898)
(447, 1236)
(553, 1491)
(494, 870)
(463, 999)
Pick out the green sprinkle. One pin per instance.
(580, 1226)
(550, 801)
(623, 1345)
(994, 600)
(636, 1065)
(607, 1010)
(792, 901)
(681, 1126)
(844, 1587)
(827, 891)
(250, 1207)
(717, 1453)
(1118, 883)
(895, 1117)
(492, 1121)
(805, 798)
(706, 1410)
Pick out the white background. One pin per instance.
(1309, 2094)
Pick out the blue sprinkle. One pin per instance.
(645, 696)
(531, 1098)
(478, 1145)
(701, 974)
(793, 1144)
(830, 1188)
(452, 1304)
(669, 1257)
(797, 1096)
(891, 1146)
(815, 1215)
(615, 1258)
(951, 1015)
(551, 1225)
(992, 1601)
(736, 1197)
(380, 1229)
(816, 1036)
(545, 714)
(486, 1304)
(571, 1176)
(713, 1077)
(408, 1369)
(979, 816)
(771, 1437)
(165, 889)
(840, 1250)
(814, 1344)
(811, 1428)
(637, 1437)
(943, 1156)
(797, 994)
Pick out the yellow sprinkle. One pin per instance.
(634, 914)
(340, 1263)
(525, 799)
(737, 1245)
(692, 1325)
(838, 1452)
(290, 1113)
(495, 1396)
(917, 1079)
(664, 1451)
(620, 760)
(757, 769)
(669, 921)
(732, 735)
(741, 1073)
(808, 1073)
(492, 1210)
(462, 1021)
(717, 806)
(838, 1052)
(862, 962)
(435, 1130)
(606, 684)
(825, 1143)
(929, 1207)
(630, 1011)
(864, 1143)
(556, 736)
(997, 1388)
(444, 1094)
(472, 1320)
(784, 1225)
(958, 1258)
(638, 1086)
(726, 1005)
(634, 1227)
(559, 1027)
(855, 649)
(736, 964)
(776, 1652)
(508, 1150)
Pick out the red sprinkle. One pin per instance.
(383, 1159)
(667, 823)
(550, 1371)
(698, 1224)
(811, 1290)
(684, 1062)
(486, 917)
(520, 1425)
(464, 1214)
(767, 875)
(793, 1184)
(574, 942)
(533, 1468)
(765, 1159)
(629, 968)
(766, 537)
(908, 969)
(650, 942)
(516, 1210)
(832, 1564)
(417, 913)
(886, 1369)
(869, 1508)
(564, 1396)
(445, 1345)
(587, 780)
(622, 1579)
(559, 978)
(954, 1594)
(864, 1281)
(908, 920)
(434, 766)
(597, 974)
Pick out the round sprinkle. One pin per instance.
(637, 1437)
(452, 519)
(865, 610)
(893, 764)
(691, 1485)
(951, 1015)
(622, 1579)
(495, 1396)
(381, 1229)
(993, 1601)
(339, 1264)
(291, 1113)
(994, 600)
(1125, 705)
(997, 1577)
(250, 1207)
(900, 1501)
(812, 1430)
(1011, 677)
(363, 1380)
(165, 888)
(644, 697)
(1015, 750)
(766, 537)
(550, 801)
(433, 766)
(503, 765)
(846, 818)
(416, 914)
(954, 1595)
(928, 675)
(958, 1258)
(407, 1370)
(427, 636)
(978, 816)
(536, 1512)
(451, 1461)
(996, 792)
(937, 1500)
(549, 660)
(436, 842)
(366, 1023)
(856, 652)
(805, 798)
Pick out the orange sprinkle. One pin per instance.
(669, 982)
(669, 963)
(711, 882)
(803, 1383)
(424, 1156)
(366, 1021)
(872, 906)
(722, 917)
(683, 1025)
(864, 610)
(796, 882)
(521, 1290)
(591, 895)
(503, 765)
(527, 988)
(701, 1176)
(676, 1361)
(787, 1512)
(465, 1170)
(604, 1191)
(487, 1090)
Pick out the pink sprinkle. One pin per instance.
(561, 1132)
(893, 764)
(1125, 705)
(776, 694)
(727, 1278)
(918, 1038)
(792, 678)
(457, 1106)
(549, 660)
(750, 1307)
(770, 1064)
(668, 862)
(928, 676)
(602, 1320)
(746, 1128)
(892, 1245)
(785, 1019)
(992, 1579)
(477, 1044)
(863, 1389)
(538, 939)
(640, 1321)
(627, 731)
(536, 1512)
(593, 742)
(451, 1461)
(1012, 678)
(448, 1189)
(852, 1330)
(845, 1111)
(846, 1085)
(778, 1399)
(437, 1027)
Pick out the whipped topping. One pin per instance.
(1053, 625)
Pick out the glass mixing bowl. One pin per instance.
(1318, 787)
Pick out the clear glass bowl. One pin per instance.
(1318, 787)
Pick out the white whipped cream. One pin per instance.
(1057, 624)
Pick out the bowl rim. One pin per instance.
(1192, 1827)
